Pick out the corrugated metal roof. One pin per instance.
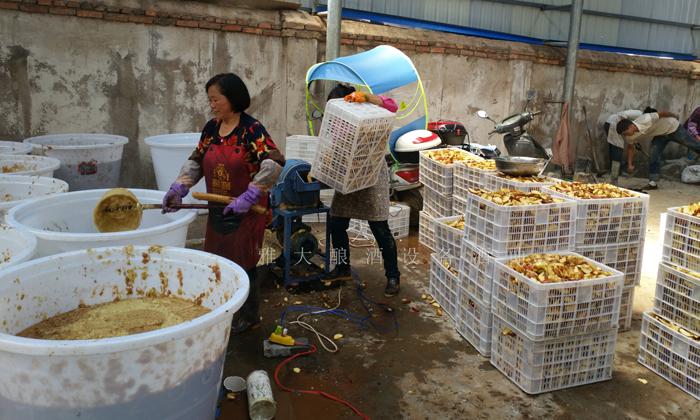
(514, 18)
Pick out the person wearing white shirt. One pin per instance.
(616, 144)
(662, 127)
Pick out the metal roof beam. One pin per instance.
(567, 7)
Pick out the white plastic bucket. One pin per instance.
(14, 148)
(16, 246)
(171, 373)
(64, 222)
(14, 189)
(28, 165)
(168, 153)
(87, 160)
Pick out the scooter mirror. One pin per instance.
(316, 114)
(482, 114)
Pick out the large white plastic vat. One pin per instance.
(168, 153)
(28, 165)
(168, 374)
(14, 189)
(14, 148)
(64, 222)
(87, 160)
(16, 246)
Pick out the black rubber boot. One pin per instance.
(248, 317)
(340, 272)
(392, 287)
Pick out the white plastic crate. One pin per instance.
(677, 296)
(466, 177)
(448, 240)
(670, 354)
(438, 175)
(626, 258)
(626, 304)
(476, 272)
(352, 144)
(435, 203)
(547, 310)
(474, 322)
(459, 205)
(399, 215)
(682, 240)
(445, 283)
(301, 147)
(516, 230)
(495, 181)
(543, 366)
(609, 220)
(426, 231)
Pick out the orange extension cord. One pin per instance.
(313, 392)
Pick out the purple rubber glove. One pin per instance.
(245, 201)
(174, 197)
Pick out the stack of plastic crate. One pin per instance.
(493, 231)
(426, 232)
(496, 181)
(443, 283)
(474, 312)
(444, 263)
(670, 338)
(301, 147)
(399, 215)
(437, 179)
(352, 143)
(549, 336)
(466, 175)
(304, 148)
(611, 231)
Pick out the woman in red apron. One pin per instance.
(231, 152)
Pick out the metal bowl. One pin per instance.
(520, 166)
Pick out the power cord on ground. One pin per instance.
(313, 392)
(332, 347)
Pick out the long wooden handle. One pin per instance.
(179, 206)
(216, 198)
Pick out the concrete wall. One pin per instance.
(138, 68)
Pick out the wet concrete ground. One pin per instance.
(425, 370)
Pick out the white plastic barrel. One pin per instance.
(16, 246)
(64, 222)
(28, 165)
(14, 189)
(168, 153)
(14, 148)
(87, 160)
(169, 374)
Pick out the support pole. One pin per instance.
(333, 29)
(572, 51)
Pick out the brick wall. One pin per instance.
(293, 24)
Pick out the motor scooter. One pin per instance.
(516, 139)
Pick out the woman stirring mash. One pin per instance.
(237, 158)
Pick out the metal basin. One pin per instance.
(519, 165)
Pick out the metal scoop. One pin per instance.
(119, 210)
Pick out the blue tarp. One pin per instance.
(379, 18)
(368, 68)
